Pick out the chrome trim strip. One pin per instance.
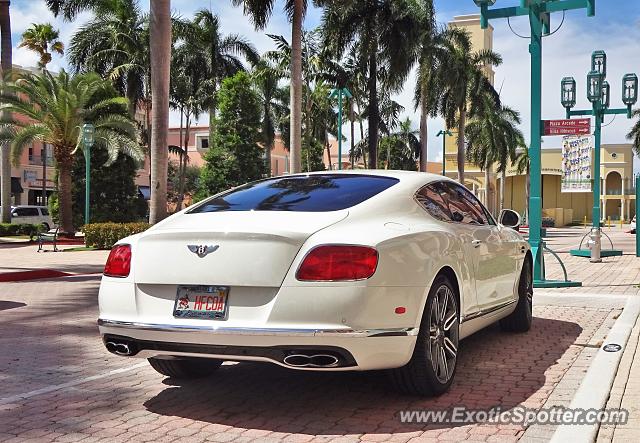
(389, 332)
(486, 311)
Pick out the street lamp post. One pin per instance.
(444, 134)
(88, 133)
(599, 94)
(539, 13)
(339, 92)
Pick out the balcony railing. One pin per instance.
(627, 191)
(37, 160)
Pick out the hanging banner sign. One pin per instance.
(578, 126)
(576, 163)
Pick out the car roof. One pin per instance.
(407, 177)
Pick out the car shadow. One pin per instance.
(495, 369)
(6, 305)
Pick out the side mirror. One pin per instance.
(510, 219)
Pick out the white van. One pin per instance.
(35, 215)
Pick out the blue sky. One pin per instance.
(615, 29)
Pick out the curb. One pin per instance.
(39, 274)
(595, 388)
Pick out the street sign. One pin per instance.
(577, 126)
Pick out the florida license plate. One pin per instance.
(206, 302)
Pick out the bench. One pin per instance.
(48, 237)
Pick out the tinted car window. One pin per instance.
(44, 211)
(431, 200)
(312, 193)
(464, 207)
(26, 212)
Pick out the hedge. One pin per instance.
(105, 235)
(20, 229)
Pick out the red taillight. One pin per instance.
(338, 262)
(119, 261)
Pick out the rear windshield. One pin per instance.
(312, 193)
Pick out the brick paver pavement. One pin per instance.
(19, 257)
(49, 344)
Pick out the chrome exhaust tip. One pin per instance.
(312, 361)
(118, 348)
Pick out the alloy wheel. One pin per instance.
(443, 333)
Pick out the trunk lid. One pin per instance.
(248, 248)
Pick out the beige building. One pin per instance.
(616, 169)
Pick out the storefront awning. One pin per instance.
(16, 187)
(144, 192)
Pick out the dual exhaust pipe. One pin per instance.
(311, 361)
(119, 348)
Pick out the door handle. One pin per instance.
(476, 243)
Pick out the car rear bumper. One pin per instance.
(354, 349)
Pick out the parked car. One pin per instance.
(35, 215)
(330, 271)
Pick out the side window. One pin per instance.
(45, 211)
(463, 205)
(432, 201)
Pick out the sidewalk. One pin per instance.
(20, 257)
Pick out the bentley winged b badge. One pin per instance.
(203, 250)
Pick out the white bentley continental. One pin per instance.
(330, 271)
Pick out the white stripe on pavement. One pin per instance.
(46, 390)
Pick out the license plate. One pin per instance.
(206, 302)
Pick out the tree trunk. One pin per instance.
(423, 136)
(65, 200)
(267, 133)
(487, 189)
(183, 163)
(461, 155)
(503, 178)
(374, 116)
(5, 154)
(353, 130)
(364, 154)
(160, 49)
(295, 144)
(328, 146)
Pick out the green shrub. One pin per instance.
(105, 235)
(9, 229)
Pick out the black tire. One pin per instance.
(421, 376)
(520, 319)
(46, 227)
(185, 368)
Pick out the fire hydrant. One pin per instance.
(594, 243)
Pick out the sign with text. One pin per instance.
(576, 163)
(578, 126)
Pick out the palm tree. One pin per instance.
(493, 137)
(403, 147)
(634, 134)
(260, 12)
(219, 54)
(385, 33)
(160, 57)
(187, 80)
(274, 107)
(42, 39)
(115, 44)
(6, 64)
(464, 85)
(53, 110)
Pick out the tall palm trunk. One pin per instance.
(461, 155)
(160, 49)
(328, 146)
(183, 162)
(423, 136)
(295, 163)
(65, 200)
(487, 189)
(267, 133)
(5, 155)
(374, 112)
(503, 178)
